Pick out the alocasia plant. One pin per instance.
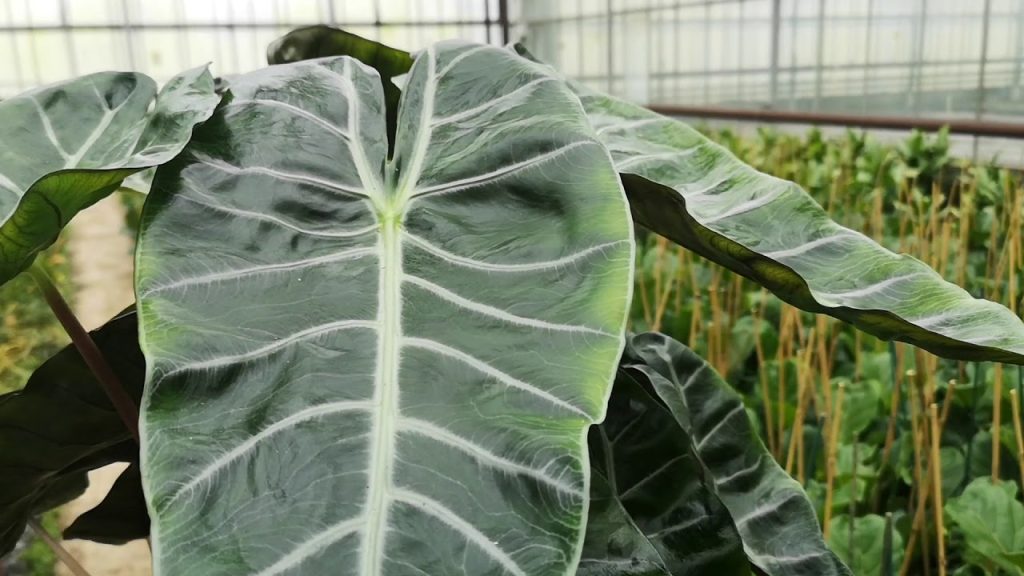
(381, 354)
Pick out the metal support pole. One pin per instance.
(917, 59)
(611, 44)
(487, 19)
(129, 35)
(867, 56)
(1019, 52)
(819, 63)
(980, 108)
(506, 35)
(776, 17)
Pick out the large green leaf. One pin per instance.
(361, 365)
(60, 426)
(320, 41)
(771, 512)
(67, 145)
(860, 543)
(695, 192)
(655, 512)
(992, 521)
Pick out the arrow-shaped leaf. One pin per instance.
(372, 363)
(68, 145)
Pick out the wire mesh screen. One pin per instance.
(949, 58)
(51, 40)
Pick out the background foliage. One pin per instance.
(846, 414)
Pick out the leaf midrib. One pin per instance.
(390, 209)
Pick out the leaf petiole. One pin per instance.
(58, 550)
(122, 402)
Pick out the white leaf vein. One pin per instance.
(274, 346)
(497, 267)
(494, 312)
(481, 366)
(250, 444)
(481, 179)
(460, 525)
(350, 254)
(483, 455)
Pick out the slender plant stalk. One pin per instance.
(997, 421)
(803, 383)
(1015, 408)
(785, 343)
(887, 547)
(890, 431)
(947, 402)
(660, 245)
(122, 402)
(681, 262)
(936, 466)
(663, 298)
(921, 486)
(833, 441)
(947, 232)
(921, 478)
(762, 374)
(59, 551)
(966, 215)
(852, 508)
(641, 279)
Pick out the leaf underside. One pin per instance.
(120, 518)
(652, 512)
(695, 192)
(60, 426)
(434, 332)
(770, 510)
(68, 145)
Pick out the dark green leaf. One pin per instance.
(614, 545)
(68, 145)
(380, 363)
(60, 426)
(663, 515)
(775, 520)
(121, 517)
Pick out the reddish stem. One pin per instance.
(123, 403)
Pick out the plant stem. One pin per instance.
(830, 462)
(936, 465)
(997, 421)
(122, 402)
(1015, 407)
(58, 550)
(887, 546)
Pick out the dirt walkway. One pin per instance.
(102, 271)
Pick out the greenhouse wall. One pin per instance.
(948, 58)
